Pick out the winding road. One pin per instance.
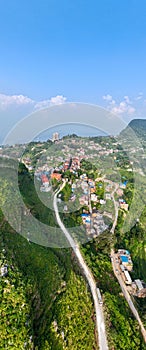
(100, 324)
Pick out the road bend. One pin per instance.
(100, 323)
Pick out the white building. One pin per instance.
(102, 201)
(139, 284)
(127, 276)
(94, 197)
(55, 137)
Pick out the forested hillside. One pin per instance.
(138, 126)
(45, 302)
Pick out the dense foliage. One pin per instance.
(139, 127)
(45, 302)
(15, 326)
(39, 286)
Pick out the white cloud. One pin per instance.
(107, 97)
(7, 101)
(57, 100)
(123, 107)
(127, 99)
(131, 110)
(18, 100)
(112, 103)
(140, 96)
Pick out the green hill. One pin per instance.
(138, 126)
(39, 285)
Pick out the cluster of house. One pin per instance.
(75, 164)
(72, 164)
(45, 181)
(98, 224)
(88, 188)
(66, 165)
(94, 224)
(83, 151)
(138, 286)
(92, 219)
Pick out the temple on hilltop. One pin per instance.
(55, 137)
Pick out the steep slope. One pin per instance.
(40, 284)
(138, 126)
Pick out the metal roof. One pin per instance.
(124, 258)
(139, 284)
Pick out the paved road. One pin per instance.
(127, 295)
(100, 324)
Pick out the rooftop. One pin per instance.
(124, 258)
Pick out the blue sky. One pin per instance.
(80, 50)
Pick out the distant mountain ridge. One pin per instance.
(138, 126)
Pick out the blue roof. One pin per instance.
(124, 258)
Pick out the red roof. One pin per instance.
(56, 176)
(44, 178)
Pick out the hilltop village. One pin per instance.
(96, 191)
(86, 186)
(92, 180)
